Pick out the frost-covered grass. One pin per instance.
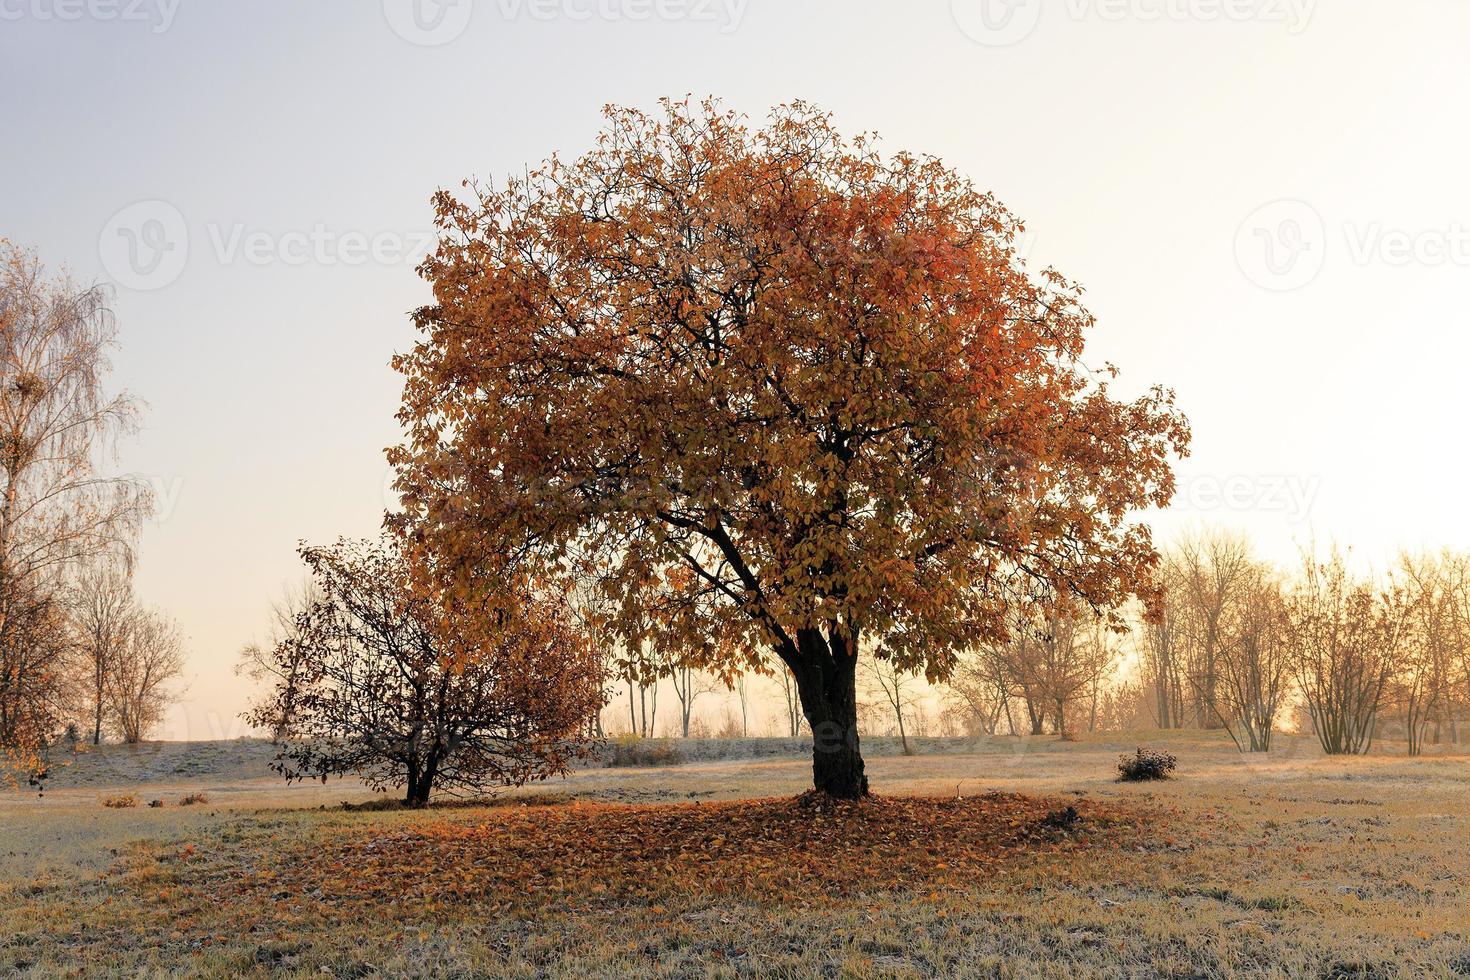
(1290, 865)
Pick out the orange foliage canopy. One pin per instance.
(777, 393)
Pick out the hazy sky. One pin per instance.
(1266, 199)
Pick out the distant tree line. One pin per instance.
(77, 652)
(1241, 646)
(1235, 645)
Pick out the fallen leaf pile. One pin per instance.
(772, 850)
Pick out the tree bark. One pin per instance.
(418, 790)
(420, 783)
(826, 681)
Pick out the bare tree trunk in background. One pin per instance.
(1434, 635)
(1010, 718)
(893, 683)
(1255, 665)
(744, 708)
(1344, 640)
(689, 684)
(793, 703)
(102, 613)
(140, 685)
(1209, 572)
(1036, 714)
(1163, 656)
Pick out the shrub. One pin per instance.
(1146, 764)
(731, 727)
(635, 751)
(193, 798)
(459, 690)
(120, 802)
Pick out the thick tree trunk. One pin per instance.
(420, 783)
(826, 681)
(1036, 715)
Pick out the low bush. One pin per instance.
(1145, 765)
(120, 802)
(634, 751)
(193, 799)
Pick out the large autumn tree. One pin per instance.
(782, 395)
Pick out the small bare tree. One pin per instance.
(102, 614)
(258, 662)
(690, 684)
(976, 691)
(1164, 650)
(1054, 659)
(1254, 668)
(1018, 664)
(1097, 654)
(742, 692)
(141, 683)
(426, 691)
(637, 667)
(1344, 639)
(791, 700)
(1211, 572)
(1433, 640)
(896, 686)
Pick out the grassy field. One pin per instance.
(1288, 865)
